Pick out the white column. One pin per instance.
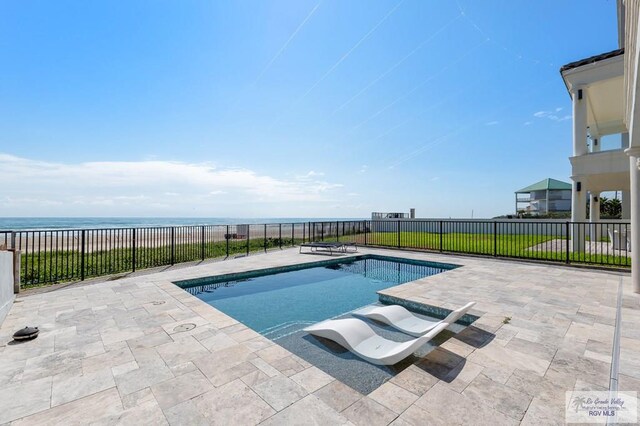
(626, 205)
(634, 172)
(579, 97)
(594, 216)
(578, 214)
(578, 198)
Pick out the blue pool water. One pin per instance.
(280, 302)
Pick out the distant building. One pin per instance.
(393, 215)
(389, 221)
(544, 197)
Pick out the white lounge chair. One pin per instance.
(398, 317)
(359, 338)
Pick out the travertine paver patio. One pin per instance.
(111, 353)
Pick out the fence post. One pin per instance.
(16, 270)
(304, 231)
(248, 237)
(398, 233)
(173, 245)
(280, 234)
(133, 250)
(202, 247)
(441, 232)
(13, 240)
(82, 255)
(365, 232)
(293, 234)
(567, 245)
(337, 232)
(495, 238)
(226, 237)
(265, 237)
(321, 231)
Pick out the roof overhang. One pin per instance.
(602, 78)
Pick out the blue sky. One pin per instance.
(286, 108)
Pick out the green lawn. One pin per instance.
(517, 246)
(454, 242)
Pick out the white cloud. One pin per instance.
(491, 123)
(552, 115)
(310, 175)
(144, 187)
(527, 123)
(364, 168)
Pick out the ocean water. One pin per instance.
(24, 223)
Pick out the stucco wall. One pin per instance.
(6, 283)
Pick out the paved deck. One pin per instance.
(115, 352)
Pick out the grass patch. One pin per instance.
(454, 242)
(503, 245)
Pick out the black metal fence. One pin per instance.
(600, 243)
(51, 256)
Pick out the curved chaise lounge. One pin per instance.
(398, 317)
(359, 338)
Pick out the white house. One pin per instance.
(606, 100)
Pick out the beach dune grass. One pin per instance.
(56, 266)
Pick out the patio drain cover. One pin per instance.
(185, 327)
(26, 333)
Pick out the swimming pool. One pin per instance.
(280, 301)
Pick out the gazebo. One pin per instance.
(544, 197)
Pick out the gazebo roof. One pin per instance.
(546, 184)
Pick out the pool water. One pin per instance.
(280, 302)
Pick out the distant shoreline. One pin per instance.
(57, 223)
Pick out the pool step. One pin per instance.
(285, 329)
